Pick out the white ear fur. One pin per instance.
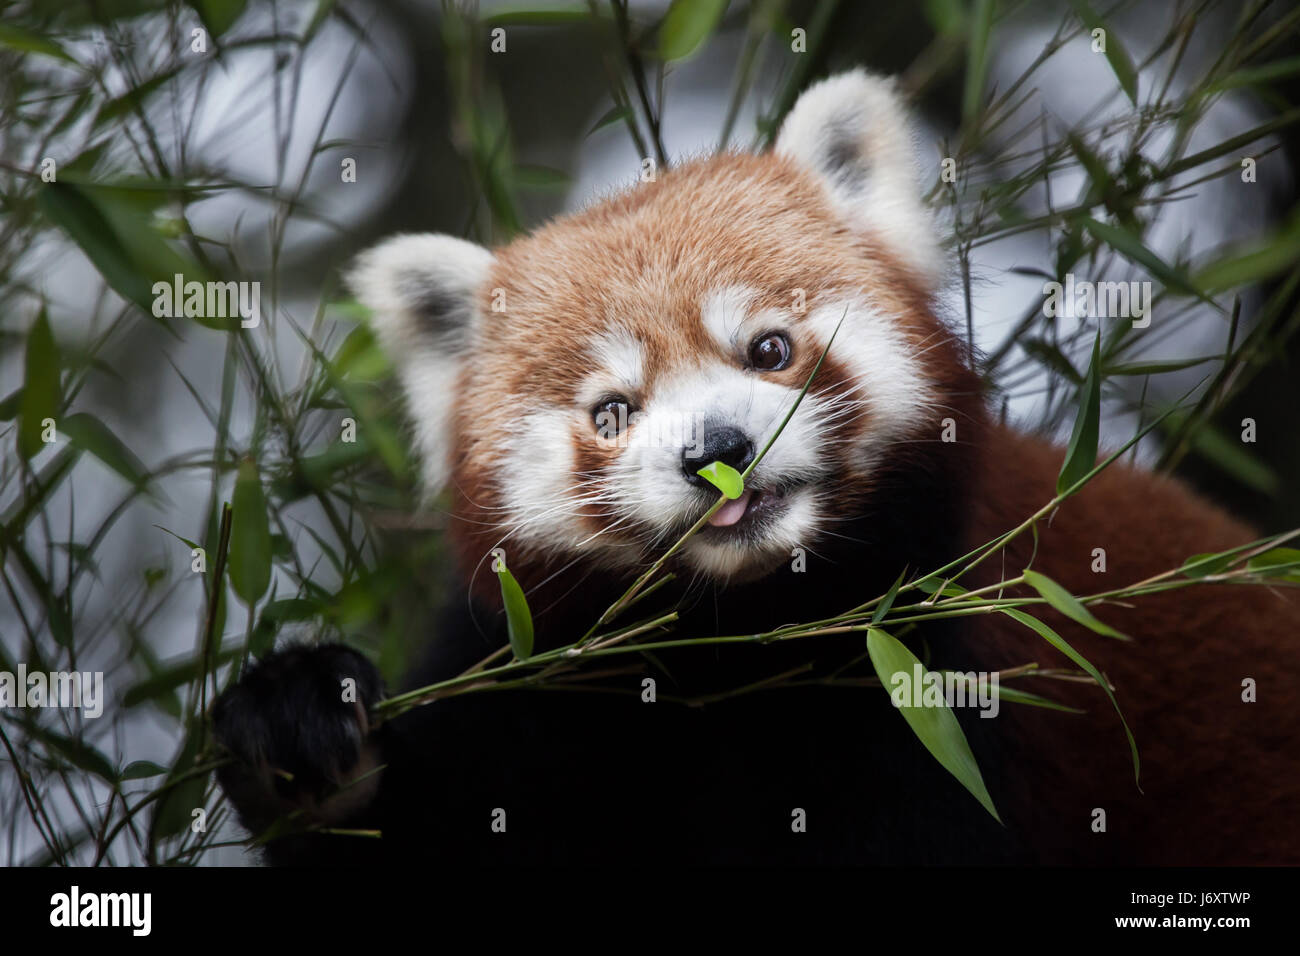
(421, 292)
(852, 130)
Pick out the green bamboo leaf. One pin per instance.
(1049, 635)
(687, 25)
(1253, 262)
(1274, 557)
(115, 230)
(1069, 605)
(88, 433)
(1234, 145)
(1051, 357)
(18, 39)
(320, 469)
(250, 536)
(535, 15)
(541, 178)
(68, 842)
(142, 769)
(888, 601)
(323, 9)
(359, 358)
(1230, 456)
(723, 477)
(281, 547)
(1277, 562)
(1013, 696)
(291, 609)
(40, 396)
(1116, 55)
(170, 676)
(77, 752)
(382, 440)
(1100, 181)
(977, 60)
(69, 208)
(936, 727)
(133, 99)
(948, 17)
(1081, 455)
(56, 605)
(615, 114)
(262, 639)
(174, 810)
(1199, 565)
(1130, 246)
(219, 15)
(186, 541)
(932, 584)
(1157, 367)
(519, 620)
(48, 481)
(1259, 75)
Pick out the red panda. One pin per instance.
(566, 388)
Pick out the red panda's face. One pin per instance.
(572, 384)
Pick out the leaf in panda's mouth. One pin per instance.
(723, 477)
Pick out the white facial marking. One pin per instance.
(539, 493)
(543, 499)
(887, 374)
(724, 313)
(618, 363)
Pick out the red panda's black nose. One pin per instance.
(721, 443)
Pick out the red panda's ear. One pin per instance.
(420, 288)
(422, 294)
(852, 131)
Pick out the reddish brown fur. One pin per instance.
(1220, 777)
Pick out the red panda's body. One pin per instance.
(1220, 777)
(703, 301)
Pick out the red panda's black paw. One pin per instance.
(298, 728)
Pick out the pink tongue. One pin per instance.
(732, 511)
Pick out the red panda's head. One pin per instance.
(569, 385)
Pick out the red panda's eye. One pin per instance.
(611, 415)
(770, 352)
